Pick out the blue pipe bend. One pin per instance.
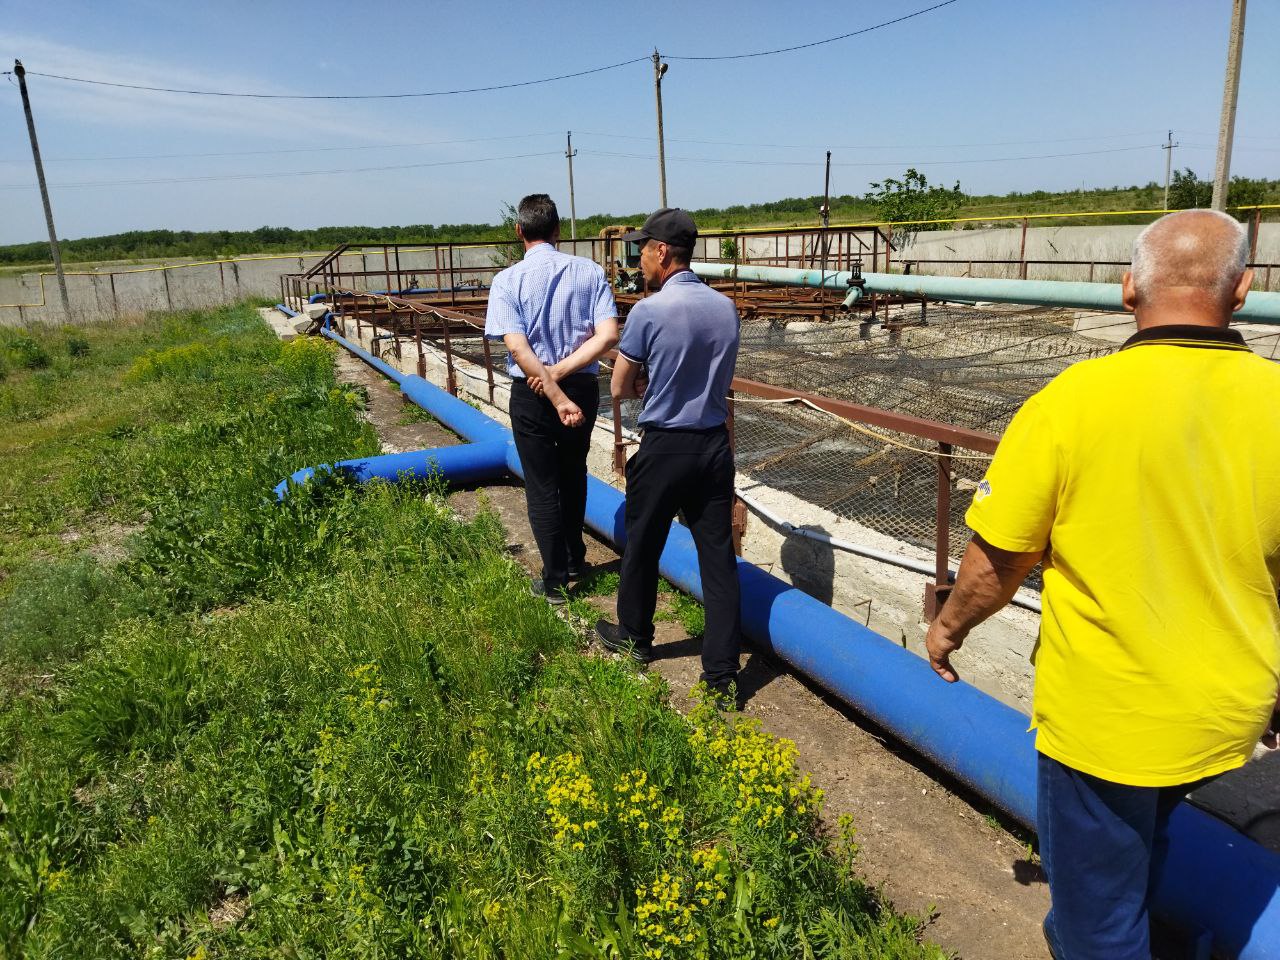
(1215, 879)
(464, 463)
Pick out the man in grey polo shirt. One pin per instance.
(686, 337)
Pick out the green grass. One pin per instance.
(412, 413)
(340, 726)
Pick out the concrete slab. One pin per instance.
(279, 322)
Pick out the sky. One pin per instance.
(1001, 95)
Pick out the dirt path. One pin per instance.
(933, 852)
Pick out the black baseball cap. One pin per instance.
(670, 225)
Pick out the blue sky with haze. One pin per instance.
(990, 92)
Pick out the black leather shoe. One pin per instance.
(612, 638)
(579, 571)
(554, 596)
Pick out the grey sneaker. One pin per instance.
(612, 638)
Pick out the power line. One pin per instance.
(284, 174)
(1235, 149)
(262, 153)
(614, 136)
(818, 43)
(870, 163)
(550, 153)
(338, 96)
(487, 89)
(873, 146)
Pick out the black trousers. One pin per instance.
(554, 458)
(689, 471)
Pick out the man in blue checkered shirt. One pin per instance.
(556, 315)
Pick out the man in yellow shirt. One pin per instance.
(1148, 483)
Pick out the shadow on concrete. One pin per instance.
(810, 566)
(754, 677)
(1027, 873)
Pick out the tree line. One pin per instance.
(910, 198)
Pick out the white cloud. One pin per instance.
(145, 110)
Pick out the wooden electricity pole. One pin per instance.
(659, 68)
(1230, 93)
(21, 73)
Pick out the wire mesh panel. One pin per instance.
(882, 479)
(963, 366)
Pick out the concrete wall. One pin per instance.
(105, 294)
(1056, 243)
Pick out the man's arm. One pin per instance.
(628, 381)
(987, 579)
(596, 346)
(518, 345)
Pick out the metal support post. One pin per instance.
(935, 594)
(619, 445)
(1022, 251)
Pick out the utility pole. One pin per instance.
(21, 74)
(659, 68)
(826, 212)
(1230, 92)
(573, 210)
(1168, 166)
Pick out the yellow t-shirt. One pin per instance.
(1153, 478)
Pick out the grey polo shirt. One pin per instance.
(687, 335)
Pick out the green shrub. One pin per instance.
(28, 352)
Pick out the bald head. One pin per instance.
(1193, 252)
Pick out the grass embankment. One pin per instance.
(340, 726)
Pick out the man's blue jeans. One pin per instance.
(1101, 845)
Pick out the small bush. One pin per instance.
(29, 352)
(189, 361)
(77, 346)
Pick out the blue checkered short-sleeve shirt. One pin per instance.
(554, 299)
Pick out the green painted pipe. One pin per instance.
(1258, 307)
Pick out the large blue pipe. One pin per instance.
(464, 463)
(1215, 880)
